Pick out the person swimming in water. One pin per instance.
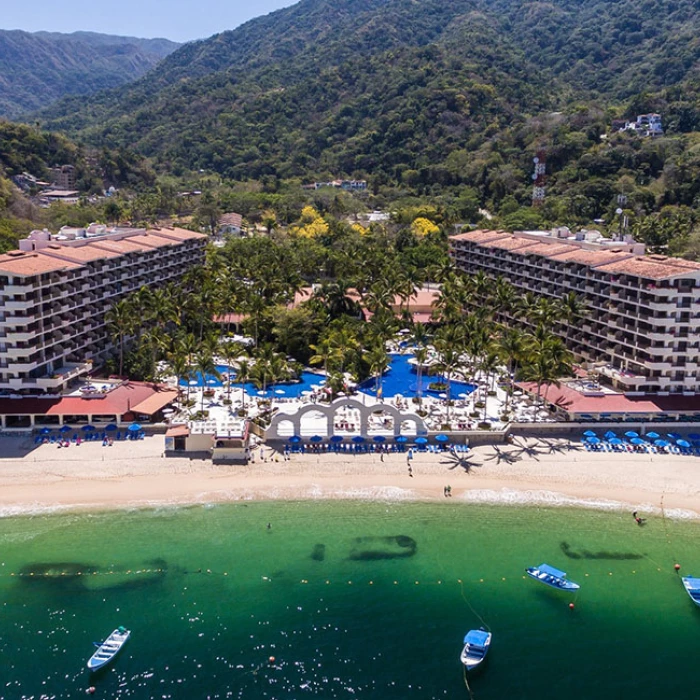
(637, 519)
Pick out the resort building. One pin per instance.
(642, 327)
(56, 290)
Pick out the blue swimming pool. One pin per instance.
(402, 378)
(305, 383)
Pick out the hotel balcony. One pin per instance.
(622, 376)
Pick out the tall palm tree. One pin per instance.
(121, 322)
(205, 365)
(421, 355)
(511, 346)
(572, 308)
(243, 376)
(230, 352)
(378, 360)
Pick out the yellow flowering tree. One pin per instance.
(422, 226)
(312, 224)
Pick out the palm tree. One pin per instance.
(230, 352)
(242, 376)
(378, 360)
(511, 346)
(421, 355)
(572, 308)
(205, 365)
(121, 323)
(549, 361)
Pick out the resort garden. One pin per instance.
(336, 302)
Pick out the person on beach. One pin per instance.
(637, 519)
(410, 470)
(448, 490)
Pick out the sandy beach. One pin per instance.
(549, 472)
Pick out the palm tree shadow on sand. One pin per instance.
(535, 448)
(457, 461)
(507, 456)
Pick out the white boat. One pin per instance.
(692, 587)
(108, 649)
(544, 573)
(476, 645)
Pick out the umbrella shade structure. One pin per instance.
(682, 443)
(316, 438)
(379, 438)
(294, 440)
(442, 396)
(593, 440)
(615, 441)
(44, 431)
(674, 436)
(65, 429)
(462, 395)
(111, 426)
(336, 438)
(279, 391)
(358, 439)
(421, 441)
(589, 433)
(638, 441)
(442, 438)
(653, 436)
(661, 443)
(134, 427)
(610, 434)
(401, 439)
(631, 434)
(694, 436)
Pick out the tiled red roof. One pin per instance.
(123, 399)
(572, 401)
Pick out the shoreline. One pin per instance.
(545, 473)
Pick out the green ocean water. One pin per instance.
(352, 599)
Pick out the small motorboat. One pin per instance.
(108, 649)
(476, 646)
(544, 573)
(692, 587)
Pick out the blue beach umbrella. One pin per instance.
(295, 440)
(401, 439)
(652, 435)
(88, 428)
(65, 429)
(682, 443)
(674, 436)
(44, 431)
(593, 440)
(694, 436)
(615, 441)
(589, 433)
(379, 438)
(631, 434)
(336, 438)
(134, 427)
(111, 426)
(316, 438)
(638, 441)
(421, 441)
(661, 443)
(610, 434)
(358, 439)
(442, 438)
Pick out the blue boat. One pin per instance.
(551, 577)
(692, 587)
(476, 646)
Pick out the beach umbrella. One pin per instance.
(462, 395)
(442, 438)
(638, 441)
(65, 429)
(111, 426)
(88, 428)
(316, 438)
(134, 428)
(442, 396)
(615, 441)
(694, 436)
(421, 441)
(295, 439)
(661, 443)
(593, 440)
(44, 431)
(336, 438)
(358, 439)
(631, 434)
(262, 393)
(652, 435)
(682, 443)
(589, 433)
(674, 436)
(401, 439)
(610, 434)
(279, 392)
(379, 438)
(194, 382)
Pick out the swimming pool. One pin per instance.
(306, 382)
(402, 378)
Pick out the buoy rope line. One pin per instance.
(475, 613)
(466, 683)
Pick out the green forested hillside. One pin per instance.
(427, 95)
(37, 69)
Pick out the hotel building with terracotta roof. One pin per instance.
(56, 290)
(642, 327)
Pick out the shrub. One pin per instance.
(484, 425)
